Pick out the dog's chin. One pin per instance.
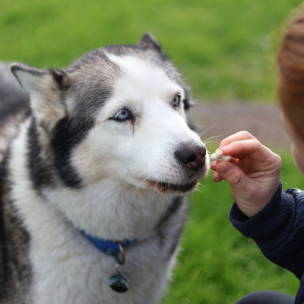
(167, 188)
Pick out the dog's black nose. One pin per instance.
(191, 156)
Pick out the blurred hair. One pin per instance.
(291, 74)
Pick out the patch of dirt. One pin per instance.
(221, 120)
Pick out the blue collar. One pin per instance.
(108, 247)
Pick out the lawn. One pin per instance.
(217, 264)
(224, 48)
(226, 51)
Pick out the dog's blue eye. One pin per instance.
(176, 101)
(122, 115)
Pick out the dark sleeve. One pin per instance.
(278, 229)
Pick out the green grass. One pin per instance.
(226, 51)
(217, 264)
(223, 48)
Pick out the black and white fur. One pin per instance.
(104, 147)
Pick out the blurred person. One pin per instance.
(273, 218)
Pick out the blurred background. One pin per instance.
(226, 52)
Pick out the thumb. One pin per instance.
(232, 174)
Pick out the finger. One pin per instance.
(216, 177)
(233, 175)
(243, 135)
(213, 164)
(252, 147)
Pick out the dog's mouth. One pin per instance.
(168, 188)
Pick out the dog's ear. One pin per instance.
(45, 88)
(147, 41)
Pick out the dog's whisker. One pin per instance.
(200, 127)
(161, 194)
(211, 141)
(140, 184)
(140, 175)
(211, 137)
(201, 134)
(136, 167)
(199, 191)
(154, 190)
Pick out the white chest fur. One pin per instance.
(71, 270)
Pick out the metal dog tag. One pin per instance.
(119, 283)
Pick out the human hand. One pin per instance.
(253, 172)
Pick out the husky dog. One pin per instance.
(101, 150)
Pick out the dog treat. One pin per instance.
(219, 156)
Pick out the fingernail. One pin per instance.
(224, 168)
(226, 147)
(215, 175)
(214, 163)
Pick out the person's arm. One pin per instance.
(278, 229)
(261, 210)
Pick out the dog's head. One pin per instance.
(117, 113)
